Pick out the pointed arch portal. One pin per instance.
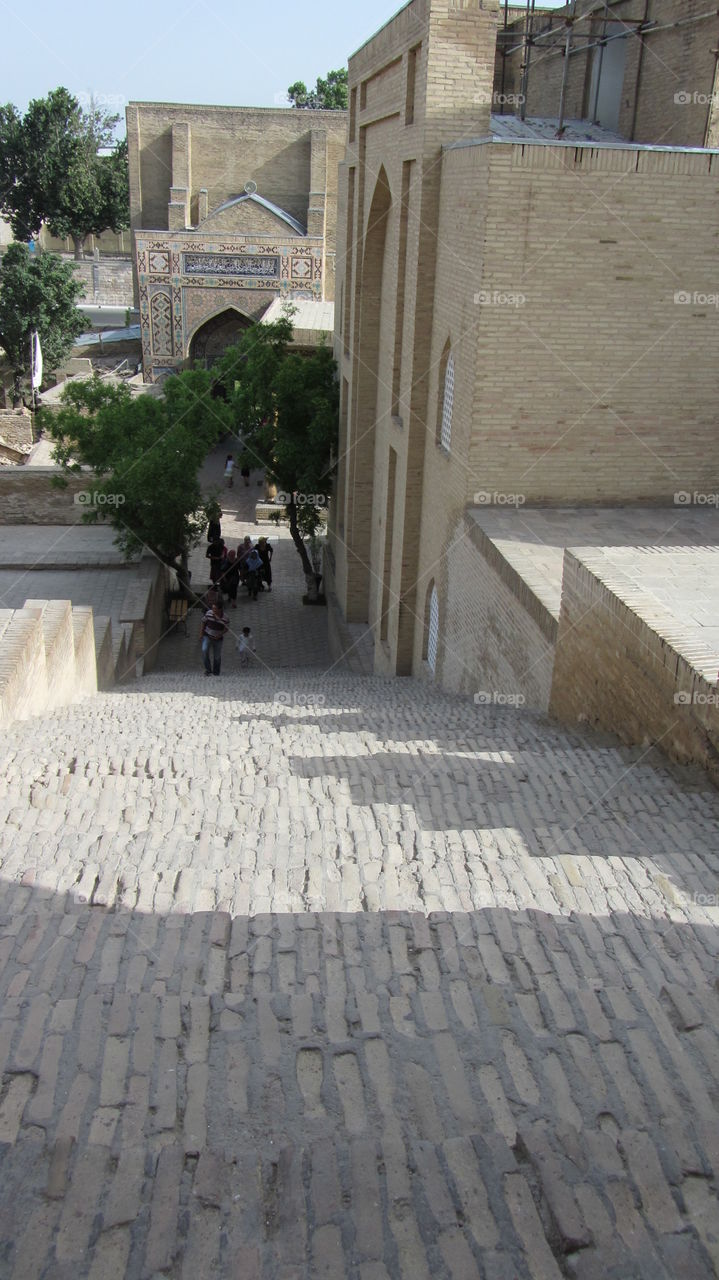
(212, 339)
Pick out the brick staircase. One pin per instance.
(327, 975)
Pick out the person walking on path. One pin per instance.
(215, 554)
(243, 551)
(245, 473)
(245, 646)
(229, 468)
(254, 572)
(215, 625)
(266, 552)
(214, 528)
(230, 580)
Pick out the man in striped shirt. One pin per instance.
(215, 625)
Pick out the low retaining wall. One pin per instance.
(107, 281)
(27, 496)
(16, 430)
(615, 670)
(496, 637)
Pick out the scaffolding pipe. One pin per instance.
(637, 83)
(504, 53)
(640, 30)
(528, 30)
(565, 68)
(600, 61)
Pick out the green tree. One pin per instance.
(287, 406)
(145, 455)
(327, 95)
(60, 165)
(37, 293)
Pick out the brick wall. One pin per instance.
(617, 670)
(27, 496)
(113, 278)
(584, 392)
(16, 429)
(496, 638)
(228, 147)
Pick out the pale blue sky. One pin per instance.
(216, 51)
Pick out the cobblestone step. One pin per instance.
(336, 976)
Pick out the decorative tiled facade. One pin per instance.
(185, 280)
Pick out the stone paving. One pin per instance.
(55, 546)
(313, 975)
(103, 589)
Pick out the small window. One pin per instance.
(411, 84)
(445, 436)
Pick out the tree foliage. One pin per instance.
(37, 292)
(286, 405)
(145, 455)
(327, 95)
(52, 170)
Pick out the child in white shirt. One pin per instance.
(245, 646)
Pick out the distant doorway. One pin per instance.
(213, 338)
(607, 79)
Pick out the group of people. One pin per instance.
(229, 471)
(215, 625)
(249, 566)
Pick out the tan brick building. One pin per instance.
(523, 319)
(231, 207)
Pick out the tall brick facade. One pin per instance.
(230, 208)
(517, 312)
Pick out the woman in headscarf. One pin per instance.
(230, 580)
(265, 551)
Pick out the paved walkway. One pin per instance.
(324, 976)
(287, 633)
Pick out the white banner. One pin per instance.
(36, 361)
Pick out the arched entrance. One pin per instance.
(213, 337)
(361, 438)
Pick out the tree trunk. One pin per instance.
(302, 550)
(179, 565)
(17, 378)
(79, 243)
(183, 573)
